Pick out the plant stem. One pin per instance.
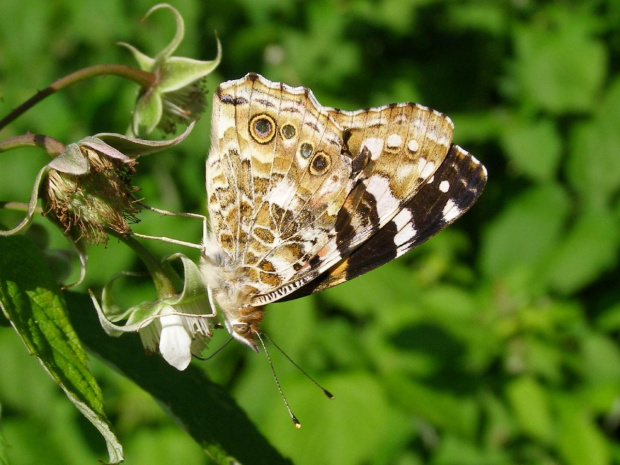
(17, 206)
(161, 278)
(49, 144)
(143, 78)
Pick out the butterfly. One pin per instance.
(303, 197)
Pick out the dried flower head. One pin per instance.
(86, 205)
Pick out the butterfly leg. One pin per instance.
(168, 239)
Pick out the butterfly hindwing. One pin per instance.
(454, 188)
(396, 149)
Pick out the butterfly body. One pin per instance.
(303, 197)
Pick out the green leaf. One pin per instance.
(499, 420)
(454, 450)
(358, 426)
(3, 458)
(525, 232)
(443, 409)
(481, 17)
(179, 33)
(609, 320)
(534, 147)
(580, 441)
(530, 404)
(180, 72)
(601, 360)
(31, 300)
(203, 408)
(71, 161)
(385, 287)
(560, 65)
(589, 249)
(593, 166)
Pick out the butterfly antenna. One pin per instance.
(325, 391)
(204, 359)
(275, 377)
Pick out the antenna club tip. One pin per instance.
(296, 422)
(298, 425)
(328, 394)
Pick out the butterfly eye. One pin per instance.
(305, 150)
(288, 131)
(320, 164)
(262, 128)
(242, 329)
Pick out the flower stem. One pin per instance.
(49, 144)
(143, 78)
(17, 206)
(161, 277)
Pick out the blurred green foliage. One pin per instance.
(494, 343)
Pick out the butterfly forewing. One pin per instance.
(283, 153)
(407, 143)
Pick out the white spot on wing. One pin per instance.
(380, 188)
(403, 217)
(451, 211)
(394, 141)
(444, 186)
(427, 168)
(418, 124)
(439, 137)
(282, 194)
(406, 231)
(374, 145)
(413, 145)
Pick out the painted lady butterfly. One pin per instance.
(303, 197)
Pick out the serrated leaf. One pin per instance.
(32, 301)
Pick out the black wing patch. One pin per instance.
(454, 188)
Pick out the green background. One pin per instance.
(494, 343)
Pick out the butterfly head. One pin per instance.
(245, 325)
(229, 291)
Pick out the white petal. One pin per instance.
(175, 343)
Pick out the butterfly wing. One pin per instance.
(276, 180)
(452, 190)
(399, 148)
(297, 191)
